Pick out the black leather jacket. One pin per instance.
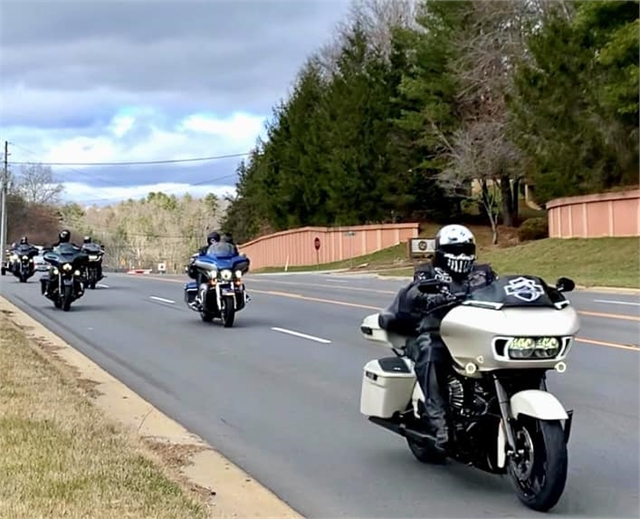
(415, 312)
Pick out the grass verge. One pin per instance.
(605, 262)
(60, 457)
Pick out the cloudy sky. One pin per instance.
(91, 81)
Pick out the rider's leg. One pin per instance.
(431, 366)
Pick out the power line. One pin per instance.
(166, 192)
(117, 185)
(141, 163)
(77, 171)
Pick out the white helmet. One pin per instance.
(455, 249)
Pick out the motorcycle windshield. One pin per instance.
(64, 253)
(222, 255)
(518, 291)
(22, 249)
(221, 250)
(92, 248)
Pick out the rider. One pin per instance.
(23, 246)
(454, 264)
(85, 241)
(227, 238)
(64, 236)
(212, 238)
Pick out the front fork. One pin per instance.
(506, 440)
(220, 295)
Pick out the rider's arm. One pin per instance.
(425, 302)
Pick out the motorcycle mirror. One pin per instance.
(565, 284)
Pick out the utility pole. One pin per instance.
(4, 187)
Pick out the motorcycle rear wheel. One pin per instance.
(540, 477)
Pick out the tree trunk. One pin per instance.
(507, 201)
(515, 199)
(488, 203)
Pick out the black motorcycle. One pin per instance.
(21, 262)
(93, 270)
(64, 284)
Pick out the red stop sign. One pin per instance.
(316, 243)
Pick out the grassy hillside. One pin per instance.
(611, 262)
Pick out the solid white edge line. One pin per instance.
(162, 300)
(609, 302)
(302, 335)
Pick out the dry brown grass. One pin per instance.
(61, 458)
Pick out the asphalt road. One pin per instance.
(285, 406)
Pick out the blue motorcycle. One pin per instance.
(217, 291)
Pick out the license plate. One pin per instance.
(227, 292)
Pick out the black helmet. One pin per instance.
(213, 237)
(23, 240)
(64, 236)
(227, 237)
(87, 239)
(455, 250)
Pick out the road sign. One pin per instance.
(316, 243)
(419, 247)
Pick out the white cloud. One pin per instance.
(141, 135)
(87, 195)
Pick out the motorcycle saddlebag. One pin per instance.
(387, 386)
(190, 291)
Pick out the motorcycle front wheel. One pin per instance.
(67, 295)
(540, 475)
(228, 312)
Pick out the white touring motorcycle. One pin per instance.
(502, 339)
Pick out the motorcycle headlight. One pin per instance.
(25, 257)
(533, 348)
(13, 257)
(238, 274)
(76, 273)
(226, 275)
(67, 266)
(93, 257)
(55, 271)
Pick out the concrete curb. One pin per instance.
(237, 494)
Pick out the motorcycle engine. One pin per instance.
(459, 401)
(456, 393)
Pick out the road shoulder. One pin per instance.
(224, 489)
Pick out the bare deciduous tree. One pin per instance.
(159, 229)
(487, 53)
(480, 152)
(378, 18)
(37, 185)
